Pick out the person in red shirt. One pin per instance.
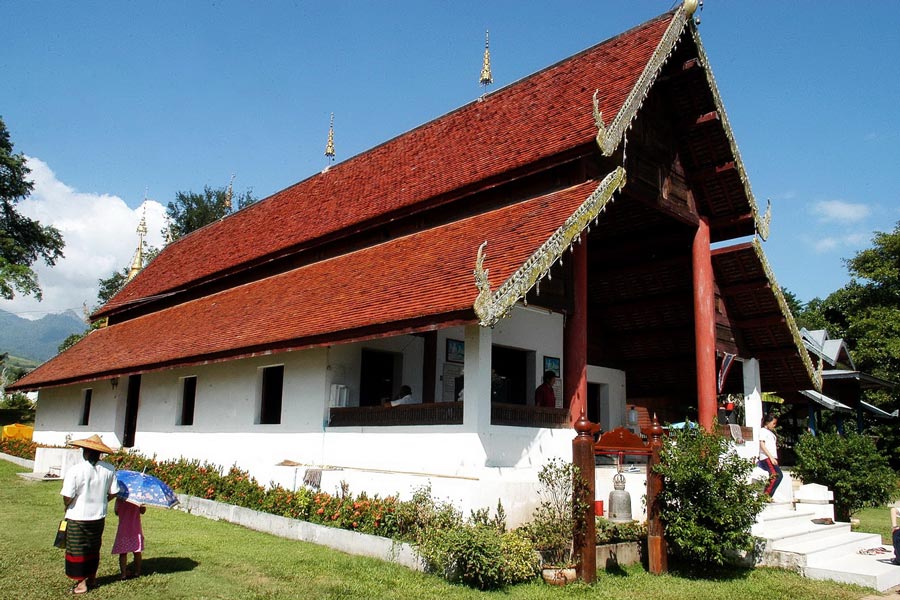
(544, 394)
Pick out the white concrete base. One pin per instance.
(22, 462)
(55, 461)
(351, 542)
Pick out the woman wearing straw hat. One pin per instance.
(87, 489)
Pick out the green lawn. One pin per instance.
(191, 557)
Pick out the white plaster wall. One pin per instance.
(537, 329)
(612, 411)
(474, 467)
(58, 412)
(344, 363)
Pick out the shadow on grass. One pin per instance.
(166, 564)
(683, 570)
(708, 572)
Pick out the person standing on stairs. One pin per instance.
(768, 453)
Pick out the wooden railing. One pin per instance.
(518, 415)
(436, 413)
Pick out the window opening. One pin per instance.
(270, 395)
(188, 398)
(86, 406)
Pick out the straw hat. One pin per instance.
(94, 443)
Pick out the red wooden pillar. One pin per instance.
(704, 325)
(657, 559)
(575, 337)
(585, 542)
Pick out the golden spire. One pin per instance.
(137, 262)
(486, 78)
(228, 195)
(329, 147)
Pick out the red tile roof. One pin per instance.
(533, 119)
(427, 274)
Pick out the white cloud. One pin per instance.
(825, 244)
(838, 210)
(100, 235)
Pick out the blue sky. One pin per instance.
(112, 99)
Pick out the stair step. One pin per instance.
(828, 545)
(799, 530)
(870, 571)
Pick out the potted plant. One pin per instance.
(553, 524)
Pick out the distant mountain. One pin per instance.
(37, 340)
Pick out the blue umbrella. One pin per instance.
(140, 488)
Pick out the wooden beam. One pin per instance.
(712, 171)
(744, 287)
(765, 321)
(729, 222)
(776, 353)
(690, 123)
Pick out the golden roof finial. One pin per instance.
(486, 78)
(137, 263)
(229, 194)
(329, 147)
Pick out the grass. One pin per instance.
(190, 557)
(875, 520)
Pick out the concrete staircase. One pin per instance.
(830, 551)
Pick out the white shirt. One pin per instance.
(90, 486)
(767, 437)
(407, 399)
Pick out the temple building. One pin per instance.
(594, 219)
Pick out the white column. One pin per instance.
(477, 378)
(752, 394)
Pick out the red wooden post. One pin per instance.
(585, 527)
(575, 337)
(656, 542)
(704, 326)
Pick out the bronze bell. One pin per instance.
(619, 501)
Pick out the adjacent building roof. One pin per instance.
(823, 400)
(832, 351)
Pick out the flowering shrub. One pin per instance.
(363, 513)
(20, 448)
(479, 553)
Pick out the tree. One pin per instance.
(866, 313)
(708, 502)
(850, 466)
(191, 211)
(22, 240)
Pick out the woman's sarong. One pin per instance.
(83, 540)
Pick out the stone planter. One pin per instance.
(558, 575)
(619, 555)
